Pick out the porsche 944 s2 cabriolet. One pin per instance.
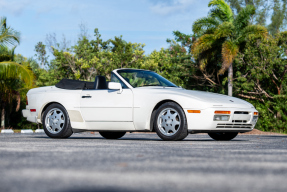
(136, 100)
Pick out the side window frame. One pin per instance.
(124, 86)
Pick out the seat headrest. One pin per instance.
(100, 82)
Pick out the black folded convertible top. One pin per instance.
(74, 84)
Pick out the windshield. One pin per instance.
(140, 78)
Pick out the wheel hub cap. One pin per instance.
(168, 121)
(55, 120)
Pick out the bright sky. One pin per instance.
(138, 21)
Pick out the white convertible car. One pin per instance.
(136, 100)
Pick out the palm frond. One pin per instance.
(243, 18)
(258, 30)
(226, 29)
(8, 36)
(203, 43)
(12, 70)
(3, 23)
(202, 63)
(229, 51)
(221, 10)
(201, 25)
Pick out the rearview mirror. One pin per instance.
(115, 86)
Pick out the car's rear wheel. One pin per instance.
(56, 122)
(226, 136)
(112, 135)
(170, 122)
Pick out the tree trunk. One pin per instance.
(230, 80)
(3, 117)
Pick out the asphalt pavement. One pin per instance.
(142, 162)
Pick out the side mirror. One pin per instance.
(115, 86)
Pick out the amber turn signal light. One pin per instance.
(193, 111)
(255, 113)
(222, 112)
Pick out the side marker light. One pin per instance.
(193, 111)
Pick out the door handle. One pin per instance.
(86, 96)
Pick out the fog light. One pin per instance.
(224, 117)
(221, 118)
(216, 118)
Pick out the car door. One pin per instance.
(107, 105)
(105, 109)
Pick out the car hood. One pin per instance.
(217, 99)
(212, 99)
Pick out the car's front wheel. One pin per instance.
(226, 136)
(112, 135)
(170, 122)
(56, 122)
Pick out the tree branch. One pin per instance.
(260, 89)
(278, 89)
(251, 97)
(207, 78)
(282, 76)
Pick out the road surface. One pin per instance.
(142, 162)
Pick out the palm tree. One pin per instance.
(10, 70)
(8, 36)
(222, 29)
(10, 74)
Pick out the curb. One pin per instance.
(27, 131)
(39, 131)
(7, 131)
(24, 131)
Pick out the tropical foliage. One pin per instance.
(13, 76)
(222, 31)
(261, 79)
(89, 58)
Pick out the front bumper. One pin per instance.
(204, 121)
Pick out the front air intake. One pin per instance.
(241, 112)
(235, 125)
(239, 121)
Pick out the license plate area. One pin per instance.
(241, 118)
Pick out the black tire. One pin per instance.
(163, 132)
(112, 135)
(65, 131)
(226, 136)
